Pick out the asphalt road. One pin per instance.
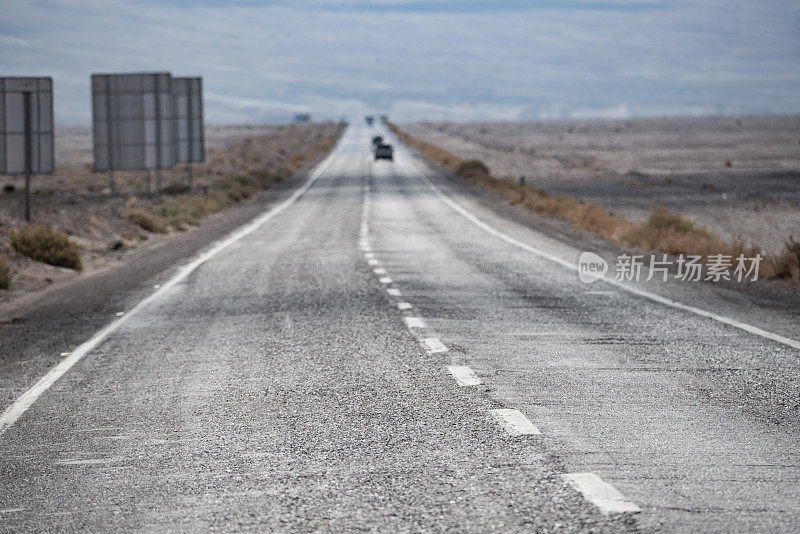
(382, 352)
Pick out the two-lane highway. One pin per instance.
(367, 357)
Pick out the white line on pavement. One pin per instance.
(404, 306)
(433, 345)
(600, 493)
(26, 400)
(464, 375)
(369, 255)
(385, 280)
(414, 322)
(379, 270)
(636, 291)
(394, 292)
(372, 261)
(87, 461)
(515, 422)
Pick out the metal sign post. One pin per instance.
(26, 106)
(26, 129)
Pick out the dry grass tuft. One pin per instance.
(669, 232)
(42, 243)
(472, 168)
(786, 266)
(5, 274)
(149, 221)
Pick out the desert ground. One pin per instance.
(77, 201)
(737, 176)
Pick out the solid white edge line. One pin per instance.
(433, 345)
(640, 292)
(515, 422)
(26, 400)
(600, 493)
(464, 376)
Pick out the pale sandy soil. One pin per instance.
(738, 177)
(76, 200)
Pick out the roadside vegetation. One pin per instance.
(5, 274)
(249, 164)
(181, 212)
(184, 210)
(42, 243)
(663, 231)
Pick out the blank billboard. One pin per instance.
(133, 121)
(12, 125)
(188, 106)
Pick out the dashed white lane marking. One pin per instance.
(394, 292)
(600, 493)
(379, 270)
(600, 293)
(26, 400)
(433, 345)
(404, 306)
(630, 289)
(120, 314)
(87, 461)
(11, 510)
(385, 280)
(515, 422)
(372, 262)
(414, 322)
(464, 375)
(369, 255)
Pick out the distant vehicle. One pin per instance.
(377, 141)
(370, 119)
(384, 152)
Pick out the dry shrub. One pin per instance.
(5, 274)
(175, 188)
(669, 232)
(472, 168)
(148, 221)
(598, 220)
(42, 243)
(785, 265)
(182, 212)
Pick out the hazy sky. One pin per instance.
(422, 59)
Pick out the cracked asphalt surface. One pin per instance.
(277, 388)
